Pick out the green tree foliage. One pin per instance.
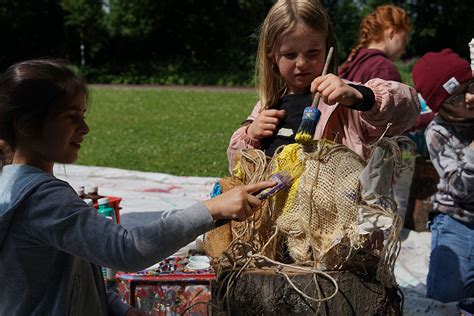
(30, 28)
(133, 19)
(440, 24)
(345, 19)
(85, 24)
(142, 39)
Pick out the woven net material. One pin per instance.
(251, 168)
(217, 240)
(316, 221)
(323, 212)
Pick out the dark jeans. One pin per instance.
(451, 271)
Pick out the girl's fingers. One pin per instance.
(253, 201)
(254, 187)
(321, 82)
(316, 82)
(328, 93)
(278, 114)
(270, 120)
(248, 211)
(338, 95)
(323, 86)
(270, 127)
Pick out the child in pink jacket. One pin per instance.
(293, 46)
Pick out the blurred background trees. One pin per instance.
(191, 41)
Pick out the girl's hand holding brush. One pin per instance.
(334, 90)
(265, 124)
(238, 203)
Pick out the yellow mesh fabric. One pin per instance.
(289, 160)
(321, 209)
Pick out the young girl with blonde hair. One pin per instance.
(382, 38)
(294, 41)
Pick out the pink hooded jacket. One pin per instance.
(395, 103)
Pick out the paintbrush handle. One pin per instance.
(317, 97)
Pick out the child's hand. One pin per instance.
(472, 144)
(265, 124)
(334, 90)
(237, 203)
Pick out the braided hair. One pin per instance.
(372, 27)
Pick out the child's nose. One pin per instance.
(84, 128)
(301, 61)
(469, 98)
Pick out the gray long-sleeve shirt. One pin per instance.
(51, 243)
(453, 158)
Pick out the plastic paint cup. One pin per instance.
(198, 265)
(199, 259)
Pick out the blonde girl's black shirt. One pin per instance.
(294, 105)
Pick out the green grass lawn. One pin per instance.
(176, 132)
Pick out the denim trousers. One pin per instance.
(451, 270)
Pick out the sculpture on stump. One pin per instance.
(327, 244)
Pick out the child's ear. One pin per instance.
(391, 32)
(26, 129)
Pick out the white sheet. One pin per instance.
(147, 196)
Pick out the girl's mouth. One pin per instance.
(303, 74)
(76, 145)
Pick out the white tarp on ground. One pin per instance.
(147, 196)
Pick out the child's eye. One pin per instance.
(76, 117)
(457, 100)
(313, 52)
(290, 55)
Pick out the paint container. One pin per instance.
(198, 259)
(109, 213)
(195, 266)
(466, 307)
(105, 209)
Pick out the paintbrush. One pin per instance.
(283, 180)
(312, 114)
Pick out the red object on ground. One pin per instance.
(168, 293)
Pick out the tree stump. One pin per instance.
(264, 292)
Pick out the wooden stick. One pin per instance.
(317, 97)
